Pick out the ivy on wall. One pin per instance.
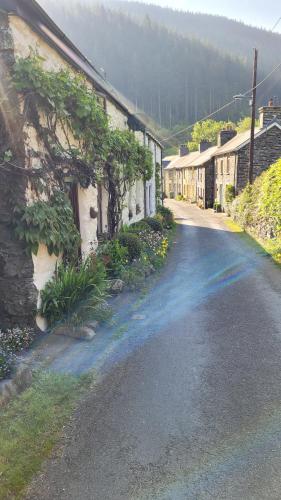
(77, 143)
(127, 162)
(64, 111)
(49, 222)
(158, 184)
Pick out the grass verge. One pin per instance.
(271, 247)
(32, 424)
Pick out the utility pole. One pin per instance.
(253, 123)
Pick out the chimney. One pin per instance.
(203, 146)
(225, 135)
(269, 113)
(183, 150)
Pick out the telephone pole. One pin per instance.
(253, 123)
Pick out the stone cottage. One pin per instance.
(204, 177)
(179, 179)
(25, 25)
(232, 158)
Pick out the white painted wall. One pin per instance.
(87, 198)
(44, 268)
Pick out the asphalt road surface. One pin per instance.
(189, 405)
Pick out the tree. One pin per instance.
(207, 131)
(245, 124)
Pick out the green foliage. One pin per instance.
(229, 193)
(132, 160)
(167, 215)
(75, 295)
(154, 224)
(217, 206)
(132, 243)
(258, 207)
(115, 257)
(68, 102)
(49, 222)
(270, 196)
(180, 197)
(207, 131)
(136, 227)
(127, 162)
(158, 184)
(245, 124)
(31, 424)
(87, 150)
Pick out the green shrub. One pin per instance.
(217, 206)
(115, 257)
(229, 193)
(6, 363)
(270, 196)
(258, 207)
(132, 243)
(154, 224)
(136, 227)
(167, 215)
(133, 278)
(75, 295)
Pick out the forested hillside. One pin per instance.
(225, 34)
(174, 78)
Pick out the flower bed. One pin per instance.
(12, 342)
(139, 249)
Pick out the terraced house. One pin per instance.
(204, 176)
(232, 157)
(26, 146)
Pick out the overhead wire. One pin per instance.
(230, 102)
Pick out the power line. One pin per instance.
(224, 106)
(231, 102)
(276, 24)
(199, 121)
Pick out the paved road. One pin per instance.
(189, 407)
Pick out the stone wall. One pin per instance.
(225, 174)
(17, 292)
(205, 185)
(267, 151)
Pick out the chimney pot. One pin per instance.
(183, 150)
(225, 135)
(269, 113)
(203, 146)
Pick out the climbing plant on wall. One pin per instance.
(75, 143)
(127, 162)
(49, 222)
(68, 118)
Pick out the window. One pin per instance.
(221, 167)
(228, 165)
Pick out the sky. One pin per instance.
(261, 13)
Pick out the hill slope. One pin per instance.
(172, 78)
(224, 34)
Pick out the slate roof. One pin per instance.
(236, 142)
(240, 140)
(183, 161)
(204, 157)
(171, 158)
